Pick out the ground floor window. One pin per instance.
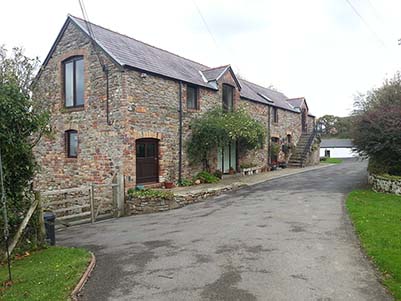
(71, 141)
(227, 158)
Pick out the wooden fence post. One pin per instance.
(41, 221)
(23, 225)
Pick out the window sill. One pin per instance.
(71, 159)
(73, 109)
(193, 110)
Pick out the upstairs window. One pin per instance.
(74, 82)
(228, 98)
(275, 115)
(192, 98)
(71, 141)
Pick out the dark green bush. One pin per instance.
(151, 193)
(218, 174)
(206, 177)
(186, 182)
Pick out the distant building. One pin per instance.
(337, 148)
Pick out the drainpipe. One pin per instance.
(269, 161)
(106, 72)
(180, 133)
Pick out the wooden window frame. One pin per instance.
(275, 115)
(73, 60)
(225, 108)
(196, 107)
(67, 143)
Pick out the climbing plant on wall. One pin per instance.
(217, 128)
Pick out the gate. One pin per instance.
(87, 203)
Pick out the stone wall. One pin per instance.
(385, 184)
(141, 105)
(313, 157)
(260, 112)
(100, 151)
(137, 205)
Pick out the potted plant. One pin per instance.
(274, 152)
(273, 165)
(231, 171)
(169, 183)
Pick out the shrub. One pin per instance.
(21, 127)
(218, 173)
(151, 193)
(217, 128)
(206, 177)
(186, 182)
(247, 165)
(376, 131)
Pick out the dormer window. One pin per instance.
(228, 98)
(74, 82)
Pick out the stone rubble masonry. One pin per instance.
(141, 105)
(385, 184)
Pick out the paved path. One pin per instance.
(286, 239)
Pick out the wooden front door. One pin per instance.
(147, 161)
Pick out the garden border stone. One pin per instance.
(84, 278)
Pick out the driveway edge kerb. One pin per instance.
(301, 170)
(84, 278)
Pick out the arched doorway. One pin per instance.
(147, 160)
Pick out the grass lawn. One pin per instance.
(377, 219)
(48, 274)
(332, 160)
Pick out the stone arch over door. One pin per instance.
(147, 160)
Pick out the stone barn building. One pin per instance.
(121, 105)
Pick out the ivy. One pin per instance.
(217, 128)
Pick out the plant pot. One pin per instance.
(231, 172)
(168, 185)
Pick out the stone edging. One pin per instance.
(383, 184)
(84, 278)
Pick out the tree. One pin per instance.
(217, 128)
(334, 126)
(328, 123)
(20, 128)
(376, 130)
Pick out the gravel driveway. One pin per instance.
(286, 239)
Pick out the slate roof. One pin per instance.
(296, 102)
(129, 52)
(336, 143)
(258, 93)
(214, 73)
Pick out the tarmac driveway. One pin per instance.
(286, 239)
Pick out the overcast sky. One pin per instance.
(319, 49)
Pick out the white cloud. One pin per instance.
(319, 49)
